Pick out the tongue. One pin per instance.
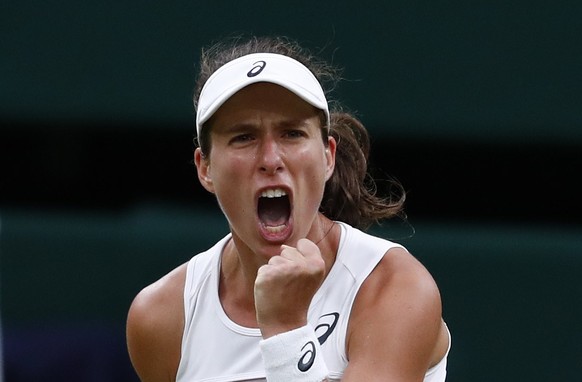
(274, 211)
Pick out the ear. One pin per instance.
(203, 169)
(330, 156)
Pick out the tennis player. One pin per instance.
(296, 291)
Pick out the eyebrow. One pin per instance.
(245, 127)
(238, 128)
(292, 123)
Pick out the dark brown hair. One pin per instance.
(350, 193)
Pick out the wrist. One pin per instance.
(294, 356)
(270, 330)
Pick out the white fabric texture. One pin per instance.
(294, 356)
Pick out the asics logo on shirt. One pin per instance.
(326, 325)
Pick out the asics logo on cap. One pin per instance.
(257, 69)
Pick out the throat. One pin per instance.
(236, 294)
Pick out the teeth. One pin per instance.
(273, 193)
(275, 229)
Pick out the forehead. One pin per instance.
(263, 99)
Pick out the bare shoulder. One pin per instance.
(402, 272)
(155, 324)
(396, 321)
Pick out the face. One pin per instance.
(267, 167)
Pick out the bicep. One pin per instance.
(147, 349)
(154, 329)
(395, 322)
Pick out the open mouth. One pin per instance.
(274, 210)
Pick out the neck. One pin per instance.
(236, 287)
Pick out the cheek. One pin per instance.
(223, 178)
(228, 174)
(315, 166)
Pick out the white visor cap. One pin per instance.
(258, 67)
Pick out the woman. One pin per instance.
(295, 291)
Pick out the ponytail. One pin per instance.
(350, 193)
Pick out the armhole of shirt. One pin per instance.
(382, 246)
(438, 372)
(187, 317)
(190, 268)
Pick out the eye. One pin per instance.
(295, 133)
(241, 138)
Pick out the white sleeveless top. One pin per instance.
(215, 349)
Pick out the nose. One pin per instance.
(270, 157)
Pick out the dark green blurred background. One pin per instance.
(476, 107)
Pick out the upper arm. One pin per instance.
(154, 328)
(395, 324)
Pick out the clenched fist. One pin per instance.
(285, 286)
